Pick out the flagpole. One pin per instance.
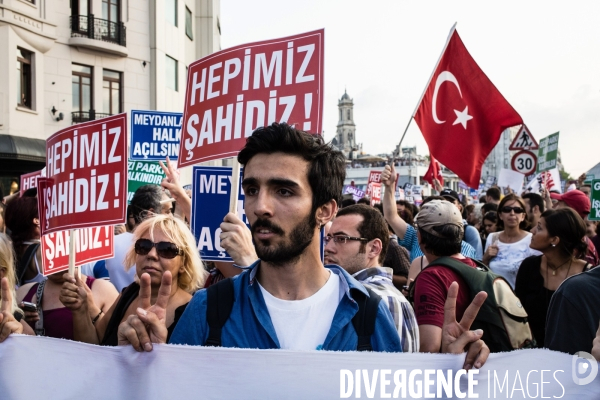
(427, 85)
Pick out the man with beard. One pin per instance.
(534, 207)
(287, 299)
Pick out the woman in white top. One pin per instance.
(506, 249)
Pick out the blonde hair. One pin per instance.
(194, 274)
(7, 260)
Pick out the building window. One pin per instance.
(25, 78)
(171, 73)
(188, 24)
(110, 10)
(81, 84)
(171, 11)
(111, 92)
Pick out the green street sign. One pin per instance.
(548, 153)
(142, 173)
(595, 211)
(589, 178)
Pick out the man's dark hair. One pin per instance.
(145, 198)
(364, 200)
(18, 217)
(373, 226)
(348, 202)
(327, 169)
(535, 200)
(402, 202)
(494, 193)
(570, 229)
(487, 207)
(30, 192)
(447, 245)
(491, 216)
(429, 198)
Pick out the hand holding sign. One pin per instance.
(236, 239)
(456, 336)
(148, 326)
(75, 294)
(8, 323)
(388, 177)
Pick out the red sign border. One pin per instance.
(181, 162)
(513, 144)
(535, 162)
(114, 221)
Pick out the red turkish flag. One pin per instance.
(434, 171)
(462, 114)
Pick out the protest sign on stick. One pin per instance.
(155, 135)
(548, 153)
(142, 173)
(232, 92)
(29, 181)
(595, 197)
(86, 170)
(91, 244)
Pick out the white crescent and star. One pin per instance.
(461, 116)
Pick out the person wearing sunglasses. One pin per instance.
(164, 252)
(506, 249)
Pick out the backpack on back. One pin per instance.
(220, 298)
(502, 316)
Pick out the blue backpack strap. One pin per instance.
(219, 303)
(365, 317)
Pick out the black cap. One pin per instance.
(450, 193)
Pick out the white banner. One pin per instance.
(46, 368)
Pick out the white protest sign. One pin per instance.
(278, 374)
(511, 179)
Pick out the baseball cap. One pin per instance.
(450, 193)
(575, 199)
(438, 213)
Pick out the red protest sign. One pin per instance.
(232, 92)
(375, 189)
(374, 176)
(86, 176)
(29, 180)
(92, 244)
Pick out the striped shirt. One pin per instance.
(379, 280)
(411, 243)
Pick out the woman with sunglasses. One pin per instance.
(507, 248)
(162, 244)
(559, 236)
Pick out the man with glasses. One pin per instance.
(358, 241)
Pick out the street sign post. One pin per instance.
(524, 140)
(524, 162)
(548, 153)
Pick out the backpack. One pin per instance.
(220, 298)
(502, 316)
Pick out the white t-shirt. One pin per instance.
(304, 324)
(510, 256)
(116, 270)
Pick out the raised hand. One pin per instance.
(236, 239)
(172, 184)
(388, 176)
(456, 336)
(148, 326)
(75, 294)
(8, 323)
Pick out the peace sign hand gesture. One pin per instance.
(148, 326)
(456, 336)
(8, 323)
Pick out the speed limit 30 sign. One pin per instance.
(524, 162)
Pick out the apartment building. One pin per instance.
(70, 61)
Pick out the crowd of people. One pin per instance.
(395, 277)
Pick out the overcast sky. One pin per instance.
(544, 59)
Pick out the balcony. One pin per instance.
(98, 34)
(85, 116)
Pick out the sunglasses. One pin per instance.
(163, 249)
(517, 210)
